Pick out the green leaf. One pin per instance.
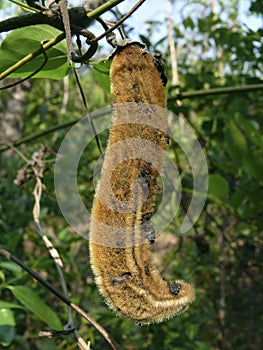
(102, 74)
(254, 163)
(2, 276)
(236, 144)
(204, 25)
(145, 40)
(11, 266)
(21, 343)
(6, 305)
(23, 41)
(6, 317)
(202, 345)
(251, 129)
(218, 187)
(32, 301)
(188, 23)
(46, 344)
(7, 330)
(238, 197)
(192, 330)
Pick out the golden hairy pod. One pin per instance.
(120, 231)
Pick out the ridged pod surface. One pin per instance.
(120, 231)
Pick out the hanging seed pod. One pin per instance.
(121, 233)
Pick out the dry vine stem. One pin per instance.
(120, 232)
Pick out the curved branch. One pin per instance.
(52, 17)
(78, 16)
(217, 91)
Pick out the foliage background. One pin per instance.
(221, 256)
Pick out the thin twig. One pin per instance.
(25, 6)
(65, 17)
(117, 24)
(171, 41)
(63, 298)
(88, 112)
(38, 167)
(103, 8)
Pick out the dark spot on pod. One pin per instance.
(119, 250)
(159, 65)
(145, 174)
(117, 280)
(160, 135)
(147, 270)
(119, 247)
(146, 217)
(149, 231)
(174, 288)
(135, 86)
(167, 135)
(127, 274)
(144, 186)
(120, 279)
(144, 179)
